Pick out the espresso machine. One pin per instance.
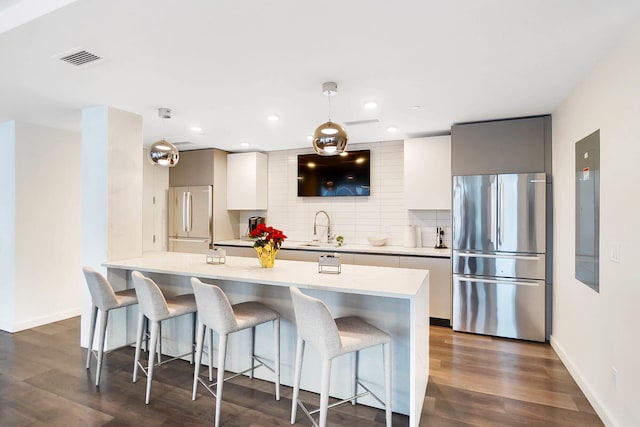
(440, 238)
(253, 223)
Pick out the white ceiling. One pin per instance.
(224, 65)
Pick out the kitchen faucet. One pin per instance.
(315, 220)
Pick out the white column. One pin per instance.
(7, 224)
(111, 193)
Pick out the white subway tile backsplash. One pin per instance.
(356, 218)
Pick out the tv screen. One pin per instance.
(343, 175)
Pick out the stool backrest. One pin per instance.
(214, 309)
(102, 294)
(315, 323)
(151, 301)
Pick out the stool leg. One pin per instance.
(276, 354)
(141, 330)
(253, 351)
(104, 317)
(324, 391)
(387, 381)
(193, 340)
(355, 356)
(196, 369)
(296, 378)
(210, 355)
(159, 343)
(92, 331)
(155, 331)
(222, 352)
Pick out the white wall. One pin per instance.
(383, 213)
(46, 248)
(595, 333)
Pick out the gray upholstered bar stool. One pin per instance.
(105, 299)
(216, 313)
(153, 305)
(333, 338)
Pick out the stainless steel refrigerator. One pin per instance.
(190, 219)
(498, 255)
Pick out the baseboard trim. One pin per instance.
(605, 416)
(56, 317)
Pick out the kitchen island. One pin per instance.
(393, 299)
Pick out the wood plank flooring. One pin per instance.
(475, 381)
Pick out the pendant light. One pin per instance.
(329, 138)
(164, 153)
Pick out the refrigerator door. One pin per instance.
(475, 212)
(195, 246)
(501, 264)
(178, 226)
(198, 207)
(512, 308)
(521, 213)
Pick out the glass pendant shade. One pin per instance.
(329, 139)
(164, 153)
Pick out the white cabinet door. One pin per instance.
(247, 181)
(427, 172)
(439, 283)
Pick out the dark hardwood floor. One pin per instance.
(475, 381)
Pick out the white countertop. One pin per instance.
(354, 279)
(349, 248)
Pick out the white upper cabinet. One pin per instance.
(247, 180)
(427, 172)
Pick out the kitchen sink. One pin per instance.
(316, 244)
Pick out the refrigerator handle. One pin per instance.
(184, 211)
(498, 256)
(498, 282)
(189, 211)
(492, 201)
(501, 214)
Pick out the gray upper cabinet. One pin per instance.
(503, 146)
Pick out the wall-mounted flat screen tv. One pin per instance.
(327, 176)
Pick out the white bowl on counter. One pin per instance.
(377, 241)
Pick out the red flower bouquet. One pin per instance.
(267, 235)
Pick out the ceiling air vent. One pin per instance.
(80, 58)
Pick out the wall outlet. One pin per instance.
(614, 377)
(615, 253)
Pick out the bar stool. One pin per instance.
(103, 298)
(333, 338)
(155, 307)
(216, 313)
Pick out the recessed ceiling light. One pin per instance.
(273, 118)
(196, 129)
(370, 105)
(309, 137)
(244, 144)
(392, 129)
(416, 107)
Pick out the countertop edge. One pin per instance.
(349, 248)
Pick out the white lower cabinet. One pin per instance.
(439, 283)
